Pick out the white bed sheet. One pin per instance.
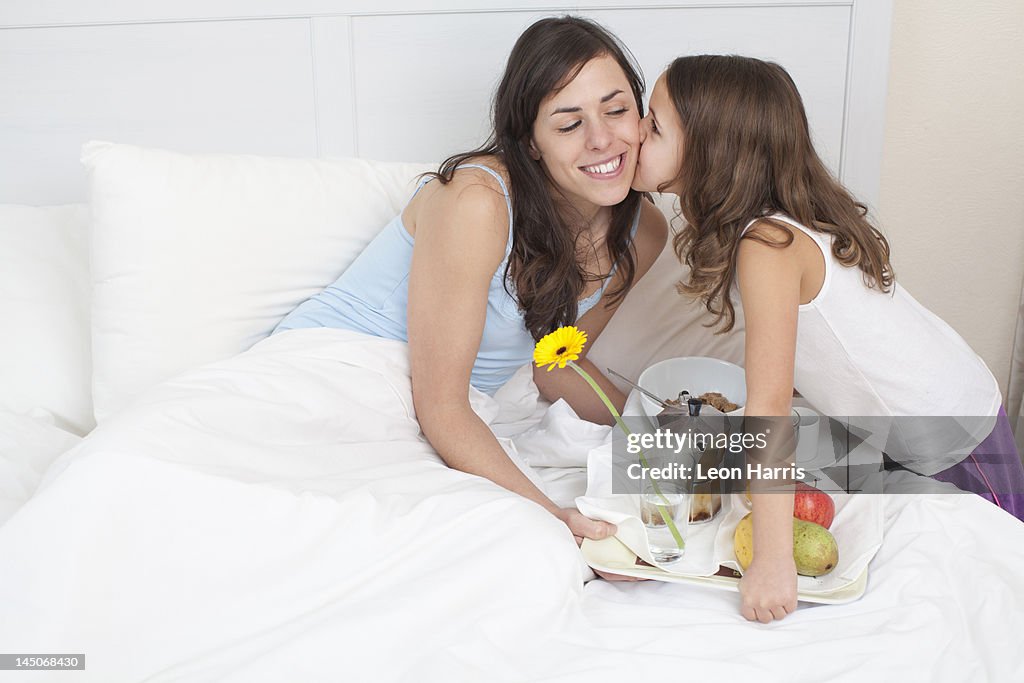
(278, 516)
(28, 445)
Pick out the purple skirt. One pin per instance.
(993, 470)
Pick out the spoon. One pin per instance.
(659, 401)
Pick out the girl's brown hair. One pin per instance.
(748, 154)
(543, 267)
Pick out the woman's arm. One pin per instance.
(651, 234)
(461, 232)
(769, 283)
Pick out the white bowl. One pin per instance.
(696, 374)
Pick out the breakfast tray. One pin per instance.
(709, 558)
(611, 555)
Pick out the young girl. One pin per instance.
(536, 229)
(823, 312)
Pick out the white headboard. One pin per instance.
(387, 79)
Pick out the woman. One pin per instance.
(536, 229)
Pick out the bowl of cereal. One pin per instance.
(716, 382)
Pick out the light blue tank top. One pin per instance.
(372, 296)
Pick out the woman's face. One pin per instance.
(662, 145)
(586, 136)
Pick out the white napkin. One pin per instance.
(623, 510)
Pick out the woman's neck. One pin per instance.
(591, 219)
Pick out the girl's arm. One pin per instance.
(651, 234)
(769, 283)
(461, 232)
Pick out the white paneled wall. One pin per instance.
(416, 75)
(388, 80)
(239, 86)
(810, 42)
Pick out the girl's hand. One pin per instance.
(768, 589)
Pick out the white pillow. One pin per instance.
(197, 257)
(44, 306)
(655, 322)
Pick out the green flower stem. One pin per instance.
(662, 509)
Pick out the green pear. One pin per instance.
(814, 549)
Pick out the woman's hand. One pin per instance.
(768, 589)
(582, 527)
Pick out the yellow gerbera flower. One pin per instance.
(559, 347)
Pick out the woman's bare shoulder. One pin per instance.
(472, 196)
(476, 172)
(471, 169)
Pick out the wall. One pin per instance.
(373, 78)
(952, 195)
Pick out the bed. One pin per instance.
(183, 498)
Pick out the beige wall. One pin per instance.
(952, 196)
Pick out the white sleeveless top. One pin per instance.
(863, 352)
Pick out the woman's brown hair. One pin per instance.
(543, 268)
(747, 155)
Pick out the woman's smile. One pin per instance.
(606, 170)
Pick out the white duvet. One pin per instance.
(28, 445)
(279, 517)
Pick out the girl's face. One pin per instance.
(662, 145)
(586, 136)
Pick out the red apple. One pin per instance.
(813, 505)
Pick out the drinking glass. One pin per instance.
(659, 501)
